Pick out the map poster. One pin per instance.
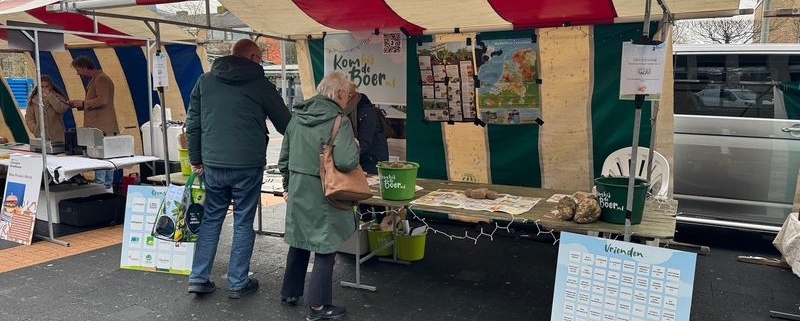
(448, 86)
(642, 71)
(140, 249)
(375, 63)
(18, 216)
(603, 279)
(509, 92)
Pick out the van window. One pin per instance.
(735, 159)
(733, 85)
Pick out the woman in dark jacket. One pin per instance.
(312, 223)
(371, 138)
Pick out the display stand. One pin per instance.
(178, 178)
(359, 260)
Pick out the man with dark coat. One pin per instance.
(227, 135)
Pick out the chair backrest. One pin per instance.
(618, 164)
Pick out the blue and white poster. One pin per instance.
(140, 249)
(375, 63)
(602, 279)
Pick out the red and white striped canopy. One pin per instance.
(302, 18)
(34, 11)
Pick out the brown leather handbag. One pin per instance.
(343, 190)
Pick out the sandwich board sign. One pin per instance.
(603, 279)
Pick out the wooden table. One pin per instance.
(658, 220)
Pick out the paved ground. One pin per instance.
(509, 278)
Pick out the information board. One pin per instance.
(140, 249)
(602, 279)
(21, 197)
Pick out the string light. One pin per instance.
(483, 233)
(540, 230)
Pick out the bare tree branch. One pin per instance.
(720, 30)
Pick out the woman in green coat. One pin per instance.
(312, 224)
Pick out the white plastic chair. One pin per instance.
(618, 164)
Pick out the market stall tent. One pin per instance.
(300, 18)
(579, 53)
(124, 60)
(127, 66)
(579, 46)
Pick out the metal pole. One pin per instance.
(639, 102)
(163, 111)
(654, 108)
(43, 139)
(208, 13)
(150, 99)
(284, 81)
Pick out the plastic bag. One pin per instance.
(180, 213)
(788, 242)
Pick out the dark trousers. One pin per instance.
(320, 287)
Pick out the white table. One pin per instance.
(62, 168)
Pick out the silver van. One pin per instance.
(736, 152)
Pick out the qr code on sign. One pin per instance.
(392, 43)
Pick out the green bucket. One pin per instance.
(183, 157)
(377, 239)
(398, 180)
(612, 194)
(411, 247)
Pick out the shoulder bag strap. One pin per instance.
(335, 129)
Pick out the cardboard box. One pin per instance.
(349, 246)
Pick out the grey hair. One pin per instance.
(333, 82)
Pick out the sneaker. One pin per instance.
(250, 287)
(289, 300)
(328, 312)
(201, 288)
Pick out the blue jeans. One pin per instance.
(223, 185)
(105, 177)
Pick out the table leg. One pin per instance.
(357, 284)
(259, 214)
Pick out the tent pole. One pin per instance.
(656, 104)
(163, 111)
(43, 139)
(150, 99)
(208, 13)
(284, 81)
(639, 102)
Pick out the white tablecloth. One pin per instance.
(62, 168)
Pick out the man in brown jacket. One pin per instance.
(98, 108)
